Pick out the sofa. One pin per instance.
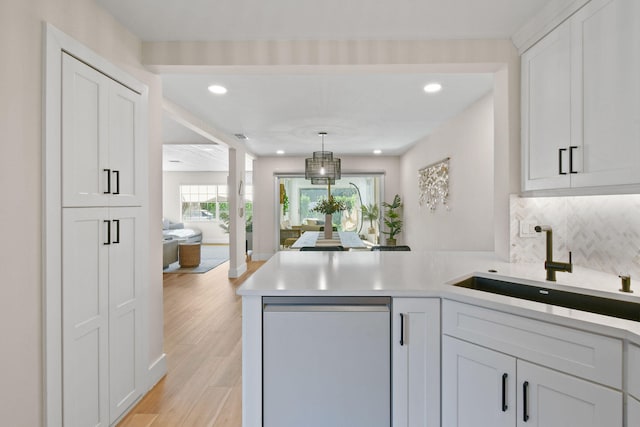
(176, 231)
(169, 252)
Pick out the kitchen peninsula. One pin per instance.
(498, 359)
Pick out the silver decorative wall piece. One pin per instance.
(433, 184)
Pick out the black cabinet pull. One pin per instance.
(117, 222)
(401, 329)
(108, 242)
(525, 398)
(571, 148)
(117, 175)
(504, 392)
(108, 171)
(560, 150)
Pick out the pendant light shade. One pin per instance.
(322, 168)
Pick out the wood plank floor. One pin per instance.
(202, 341)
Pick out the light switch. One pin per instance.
(527, 229)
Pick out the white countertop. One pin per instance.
(430, 274)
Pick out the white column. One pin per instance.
(237, 233)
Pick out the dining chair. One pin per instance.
(402, 248)
(322, 248)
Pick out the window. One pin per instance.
(203, 202)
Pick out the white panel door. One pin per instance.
(478, 386)
(546, 112)
(553, 399)
(85, 102)
(125, 369)
(103, 156)
(606, 46)
(126, 155)
(85, 317)
(416, 362)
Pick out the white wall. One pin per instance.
(171, 182)
(21, 316)
(468, 225)
(264, 210)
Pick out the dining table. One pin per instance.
(346, 239)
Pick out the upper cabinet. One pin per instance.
(102, 154)
(581, 101)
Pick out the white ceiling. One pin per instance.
(360, 112)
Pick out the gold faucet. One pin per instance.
(550, 265)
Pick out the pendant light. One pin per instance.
(322, 168)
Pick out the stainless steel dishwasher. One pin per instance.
(326, 362)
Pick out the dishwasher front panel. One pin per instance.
(326, 365)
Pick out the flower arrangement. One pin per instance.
(329, 206)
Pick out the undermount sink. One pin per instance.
(594, 304)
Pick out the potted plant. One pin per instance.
(328, 207)
(371, 212)
(392, 219)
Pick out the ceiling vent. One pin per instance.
(241, 136)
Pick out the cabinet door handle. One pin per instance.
(525, 399)
(401, 329)
(560, 150)
(117, 222)
(571, 148)
(108, 242)
(504, 392)
(117, 175)
(108, 171)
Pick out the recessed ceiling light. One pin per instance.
(377, 151)
(433, 87)
(217, 89)
(280, 152)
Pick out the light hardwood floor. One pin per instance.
(202, 341)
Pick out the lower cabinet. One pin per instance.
(416, 362)
(483, 387)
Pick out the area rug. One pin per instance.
(211, 256)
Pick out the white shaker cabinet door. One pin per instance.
(125, 318)
(606, 49)
(416, 362)
(546, 112)
(85, 317)
(552, 399)
(478, 386)
(103, 147)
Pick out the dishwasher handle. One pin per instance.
(326, 304)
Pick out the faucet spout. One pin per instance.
(550, 265)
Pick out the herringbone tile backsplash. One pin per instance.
(603, 232)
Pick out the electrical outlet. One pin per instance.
(527, 229)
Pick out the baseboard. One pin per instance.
(237, 272)
(157, 370)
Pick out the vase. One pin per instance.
(391, 242)
(328, 226)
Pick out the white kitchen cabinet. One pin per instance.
(546, 111)
(101, 325)
(581, 101)
(103, 152)
(483, 387)
(416, 362)
(553, 399)
(478, 386)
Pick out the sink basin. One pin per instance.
(594, 304)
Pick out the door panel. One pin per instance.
(84, 137)
(472, 385)
(125, 372)
(85, 318)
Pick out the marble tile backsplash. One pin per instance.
(602, 232)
